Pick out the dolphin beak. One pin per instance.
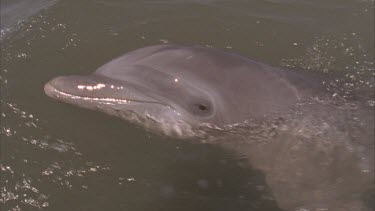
(49, 88)
(94, 89)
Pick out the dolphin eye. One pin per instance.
(201, 109)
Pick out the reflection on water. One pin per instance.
(319, 156)
(24, 177)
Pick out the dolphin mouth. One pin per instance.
(53, 92)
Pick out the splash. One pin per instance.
(345, 60)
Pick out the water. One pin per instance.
(59, 157)
(13, 12)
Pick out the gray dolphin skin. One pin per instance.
(178, 87)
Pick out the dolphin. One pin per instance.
(180, 87)
(310, 162)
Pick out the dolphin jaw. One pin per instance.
(128, 109)
(52, 92)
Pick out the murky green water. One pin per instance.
(59, 157)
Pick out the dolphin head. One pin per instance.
(178, 88)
